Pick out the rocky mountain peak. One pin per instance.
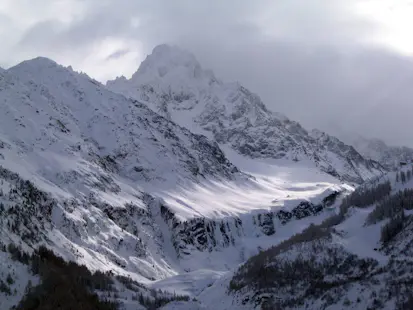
(172, 83)
(168, 72)
(171, 62)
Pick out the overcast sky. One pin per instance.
(337, 65)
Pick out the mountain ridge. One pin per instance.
(173, 83)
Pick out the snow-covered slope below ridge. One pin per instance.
(117, 187)
(172, 83)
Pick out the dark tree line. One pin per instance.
(321, 272)
(393, 227)
(362, 197)
(155, 300)
(365, 196)
(64, 285)
(404, 176)
(392, 206)
(67, 285)
(254, 270)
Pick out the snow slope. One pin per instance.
(274, 185)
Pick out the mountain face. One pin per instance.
(388, 156)
(48, 108)
(173, 83)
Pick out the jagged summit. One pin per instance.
(167, 61)
(165, 58)
(168, 70)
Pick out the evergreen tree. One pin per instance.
(393, 227)
(403, 176)
(391, 206)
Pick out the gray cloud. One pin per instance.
(118, 54)
(306, 58)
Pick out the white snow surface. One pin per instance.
(274, 185)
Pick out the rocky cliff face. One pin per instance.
(201, 234)
(130, 237)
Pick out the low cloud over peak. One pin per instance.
(319, 62)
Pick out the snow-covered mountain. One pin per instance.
(104, 181)
(171, 186)
(49, 108)
(173, 83)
